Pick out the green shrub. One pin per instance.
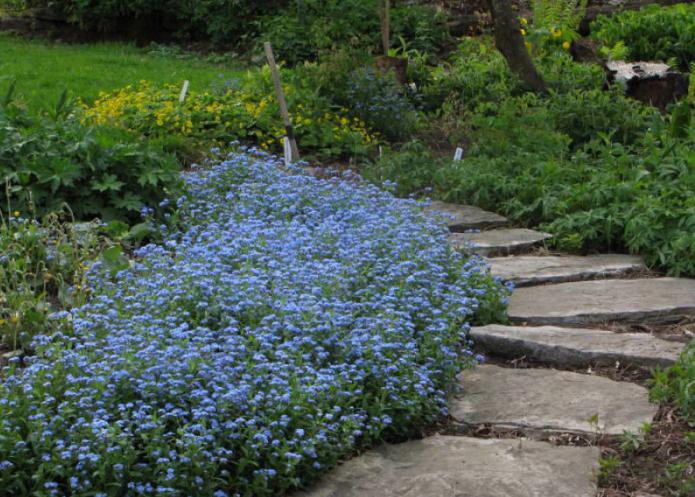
(583, 115)
(516, 124)
(407, 171)
(651, 33)
(377, 99)
(324, 26)
(48, 161)
(476, 73)
(562, 74)
(229, 21)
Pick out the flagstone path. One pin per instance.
(560, 314)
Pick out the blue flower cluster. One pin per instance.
(287, 322)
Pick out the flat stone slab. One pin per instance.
(466, 217)
(525, 270)
(576, 347)
(583, 303)
(498, 242)
(550, 401)
(446, 466)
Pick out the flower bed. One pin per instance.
(289, 322)
(249, 114)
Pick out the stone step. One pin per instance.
(466, 217)
(447, 466)
(548, 401)
(525, 270)
(498, 242)
(654, 300)
(576, 347)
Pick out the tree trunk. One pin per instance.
(510, 43)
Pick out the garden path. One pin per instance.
(531, 426)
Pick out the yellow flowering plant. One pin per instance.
(249, 114)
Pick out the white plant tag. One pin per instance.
(184, 92)
(459, 154)
(288, 152)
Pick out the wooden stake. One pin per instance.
(281, 100)
(386, 26)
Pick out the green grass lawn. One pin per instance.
(44, 70)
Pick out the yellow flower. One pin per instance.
(524, 21)
(566, 45)
(557, 33)
(523, 32)
(528, 45)
(16, 213)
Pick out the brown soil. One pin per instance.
(662, 463)
(617, 372)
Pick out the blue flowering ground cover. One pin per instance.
(286, 323)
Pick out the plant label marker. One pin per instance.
(281, 99)
(288, 151)
(184, 92)
(458, 155)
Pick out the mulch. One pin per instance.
(663, 463)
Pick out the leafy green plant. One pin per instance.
(245, 111)
(598, 179)
(408, 170)
(651, 33)
(52, 160)
(325, 26)
(378, 100)
(558, 14)
(42, 271)
(475, 73)
(582, 115)
(608, 465)
(677, 384)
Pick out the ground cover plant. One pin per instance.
(246, 111)
(676, 386)
(651, 33)
(43, 71)
(285, 323)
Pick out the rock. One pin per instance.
(656, 300)
(535, 270)
(549, 401)
(445, 466)
(653, 83)
(465, 217)
(498, 242)
(575, 347)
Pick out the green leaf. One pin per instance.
(108, 182)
